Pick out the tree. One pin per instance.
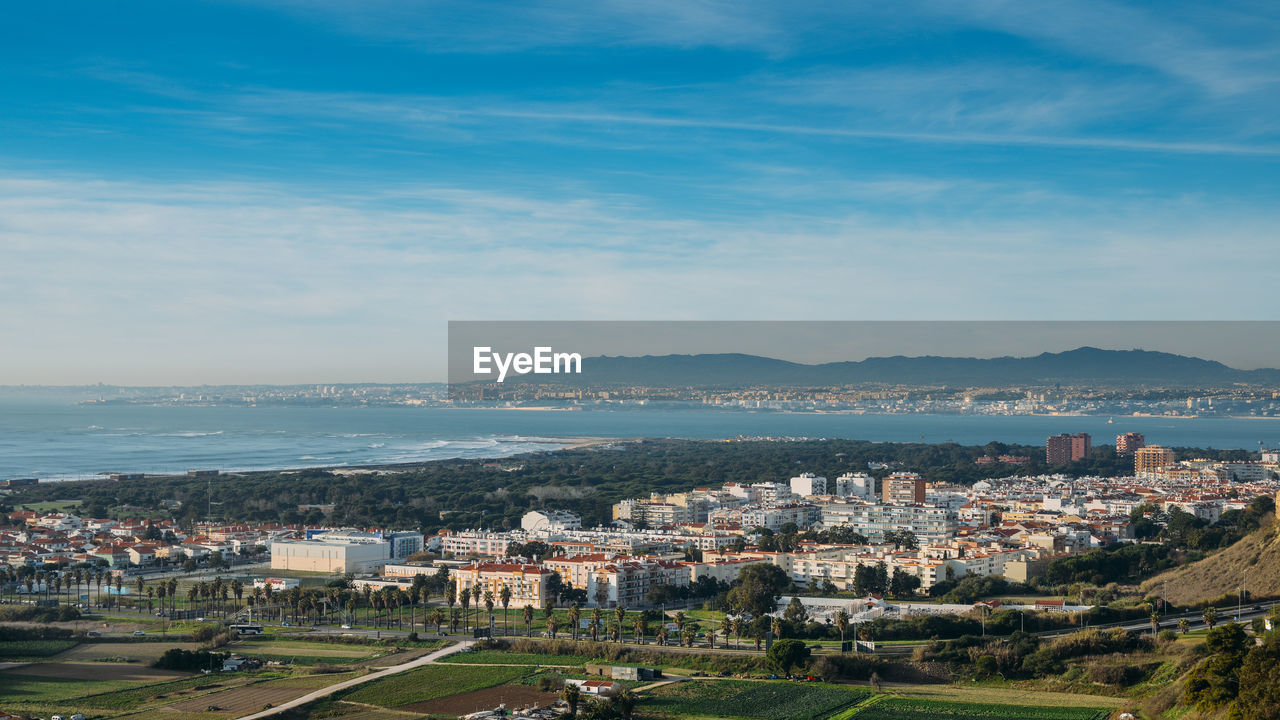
(553, 625)
(572, 695)
(796, 612)
(505, 596)
(903, 584)
(1215, 682)
(527, 614)
(625, 703)
(575, 613)
(689, 633)
(1183, 626)
(758, 589)
(1211, 617)
(786, 654)
(842, 623)
(1259, 695)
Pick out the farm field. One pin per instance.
(513, 696)
(432, 682)
(15, 650)
(779, 700)
(120, 689)
(893, 708)
(134, 652)
(1006, 695)
(485, 657)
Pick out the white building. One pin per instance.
(856, 485)
(808, 484)
(930, 524)
(550, 521)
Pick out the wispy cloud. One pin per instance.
(215, 281)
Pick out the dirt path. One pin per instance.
(393, 670)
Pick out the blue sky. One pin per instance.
(290, 191)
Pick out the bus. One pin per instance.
(247, 629)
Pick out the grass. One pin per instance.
(894, 708)
(497, 657)
(430, 682)
(12, 650)
(40, 690)
(136, 696)
(995, 694)
(744, 699)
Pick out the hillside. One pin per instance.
(1085, 364)
(1254, 560)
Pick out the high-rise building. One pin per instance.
(1152, 458)
(859, 485)
(903, 489)
(1127, 443)
(1064, 448)
(807, 484)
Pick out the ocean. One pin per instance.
(58, 439)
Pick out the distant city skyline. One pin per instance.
(287, 192)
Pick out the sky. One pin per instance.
(278, 192)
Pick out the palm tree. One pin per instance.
(596, 615)
(625, 702)
(488, 604)
(738, 625)
(1155, 622)
(553, 625)
(571, 695)
(1211, 617)
(842, 624)
(464, 596)
(527, 612)
(689, 634)
(777, 629)
(711, 638)
(663, 635)
(451, 595)
(575, 612)
(1183, 626)
(619, 616)
(680, 622)
(641, 626)
(505, 596)
(726, 629)
(476, 594)
(237, 588)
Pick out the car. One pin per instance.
(56, 717)
(345, 627)
(286, 623)
(1257, 608)
(441, 633)
(138, 633)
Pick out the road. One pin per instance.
(325, 692)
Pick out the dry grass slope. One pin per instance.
(1255, 560)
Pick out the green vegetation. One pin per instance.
(744, 699)
(11, 650)
(431, 682)
(897, 708)
(586, 480)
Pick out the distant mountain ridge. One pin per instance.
(1084, 364)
